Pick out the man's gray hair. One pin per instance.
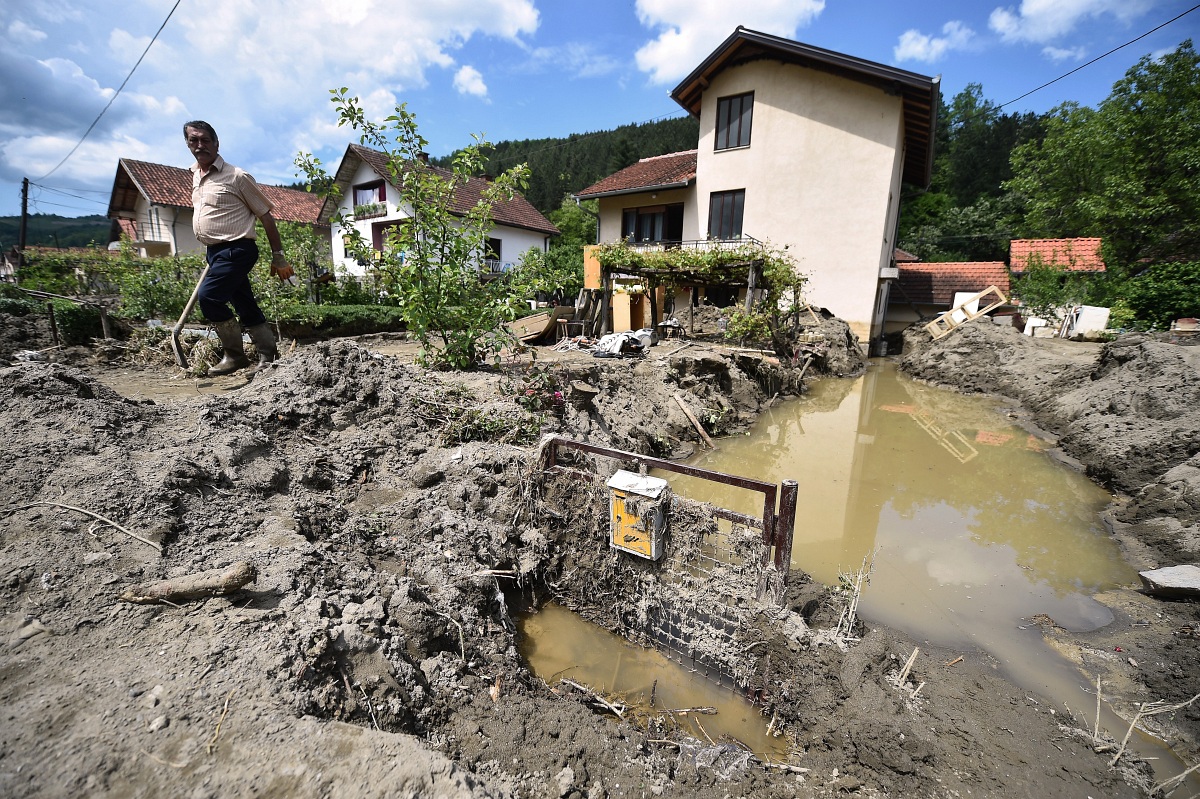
(200, 124)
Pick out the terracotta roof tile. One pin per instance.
(171, 185)
(660, 171)
(1076, 255)
(517, 212)
(936, 284)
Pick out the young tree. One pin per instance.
(432, 263)
(560, 269)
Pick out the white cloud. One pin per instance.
(269, 73)
(1064, 53)
(1042, 21)
(576, 59)
(468, 81)
(688, 30)
(917, 46)
(19, 31)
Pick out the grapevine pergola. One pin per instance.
(690, 264)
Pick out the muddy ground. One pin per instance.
(393, 514)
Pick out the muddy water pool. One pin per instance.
(971, 528)
(558, 645)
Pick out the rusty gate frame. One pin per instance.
(777, 525)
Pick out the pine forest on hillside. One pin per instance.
(562, 166)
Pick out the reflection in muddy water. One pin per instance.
(974, 527)
(558, 644)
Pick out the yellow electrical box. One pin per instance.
(638, 518)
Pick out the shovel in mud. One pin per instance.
(176, 346)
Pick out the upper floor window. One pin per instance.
(652, 223)
(734, 115)
(369, 199)
(725, 214)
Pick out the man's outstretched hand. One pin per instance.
(281, 269)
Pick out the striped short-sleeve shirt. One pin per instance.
(226, 201)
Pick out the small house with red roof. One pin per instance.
(799, 147)
(924, 290)
(369, 200)
(152, 205)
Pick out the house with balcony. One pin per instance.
(369, 201)
(152, 205)
(800, 148)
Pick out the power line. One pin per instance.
(1097, 58)
(69, 194)
(116, 95)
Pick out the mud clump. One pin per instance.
(389, 513)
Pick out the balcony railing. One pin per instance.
(700, 245)
(370, 210)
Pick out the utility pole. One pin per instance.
(21, 230)
(24, 213)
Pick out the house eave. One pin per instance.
(920, 94)
(634, 190)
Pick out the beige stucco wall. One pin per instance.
(822, 163)
(612, 207)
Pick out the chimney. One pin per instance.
(423, 157)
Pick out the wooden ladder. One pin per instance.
(959, 315)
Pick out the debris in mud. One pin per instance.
(214, 582)
(383, 531)
(1172, 582)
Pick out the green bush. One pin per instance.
(1165, 292)
(77, 324)
(342, 320)
(155, 288)
(18, 306)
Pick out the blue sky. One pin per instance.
(261, 71)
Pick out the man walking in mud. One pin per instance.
(227, 201)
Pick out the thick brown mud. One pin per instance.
(390, 511)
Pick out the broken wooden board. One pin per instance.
(1172, 582)
(539, 325)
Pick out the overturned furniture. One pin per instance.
(971, 308)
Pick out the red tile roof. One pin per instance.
(517, 212)
(673, 170)
(936, 284)
(1075, 255)
(171, 185)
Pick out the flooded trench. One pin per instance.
(972, 529)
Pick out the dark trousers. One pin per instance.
(228, 283)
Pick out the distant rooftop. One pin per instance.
(936, 283)
(1075, 255)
